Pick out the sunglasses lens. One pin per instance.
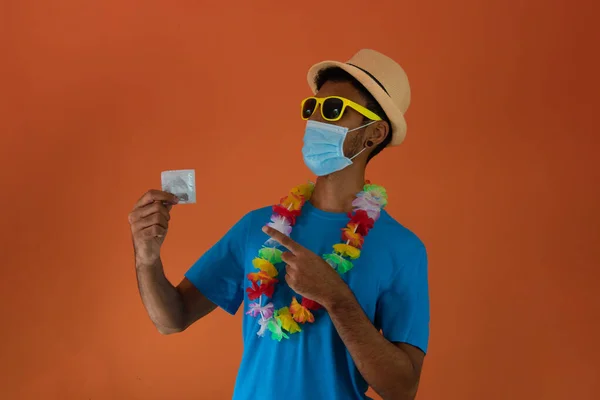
(309, 108)
(332, 108)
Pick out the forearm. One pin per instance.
(162, 300)
(385, 367)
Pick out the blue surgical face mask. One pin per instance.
(323, 148)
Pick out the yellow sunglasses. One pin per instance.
(333, 108)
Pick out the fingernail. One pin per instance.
(264, 229)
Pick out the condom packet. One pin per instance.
(181, 183)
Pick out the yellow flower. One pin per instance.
(346, 250)
(304, 190)
(287, 322)
(265, 266)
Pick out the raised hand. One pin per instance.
(149, 222)
(308, 274)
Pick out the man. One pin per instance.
(363, 322)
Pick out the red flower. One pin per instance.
(290, 215)
(310, 304)
(256, 291)
(268, 288)
(361, 222)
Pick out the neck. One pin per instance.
(335, 192)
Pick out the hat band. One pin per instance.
(371, 76)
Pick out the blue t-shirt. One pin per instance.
(389, 280)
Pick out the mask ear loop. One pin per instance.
(358, 154)
(360, 127)
(363, 126)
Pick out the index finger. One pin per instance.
(156, 195)
(282, 239)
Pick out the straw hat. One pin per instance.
(383, 78)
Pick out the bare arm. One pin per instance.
(392, 369)
(171, 309)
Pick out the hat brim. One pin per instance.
(385, 101)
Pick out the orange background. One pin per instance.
(499, 176)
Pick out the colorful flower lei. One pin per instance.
(367, 208)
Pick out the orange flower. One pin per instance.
(301, 314)
(292, 202)
(353, 238)
(261, 276)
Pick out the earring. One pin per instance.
(369, 143)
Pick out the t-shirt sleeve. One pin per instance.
(219, 273)
(403, 308)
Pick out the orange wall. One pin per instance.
(499, 175)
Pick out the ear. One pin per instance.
(376, 134)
